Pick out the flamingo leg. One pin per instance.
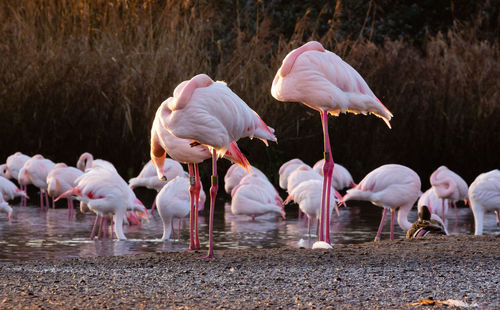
(92, 234)
(46, 200)
(498, 217)
(41, 201)
(392, 223)
(213, 194)
(379, 232)
(442, 210)
(99, 232)
(153, 206)
(456, 211)
(308, 227)
(53, 202)
(197, 207)
(192, 183)
(324, 233)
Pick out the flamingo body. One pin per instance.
(14, 164)
(285, 170)
(9, 190)
(253, 199)
(341, 178)
(235, 173)
(148, 176)
(484, 195)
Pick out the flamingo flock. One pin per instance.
(203, 119)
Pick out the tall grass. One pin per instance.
(88, 75)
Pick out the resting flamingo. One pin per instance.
(324, 82)
(285, 170)
(107, 194)
(209, 113)
(86, 161)
(341, 178)
(186, 152)
(61, 179)
(432, 202)
(448, 185)
(235, 173)
(35, 171)
(390, 187)
(484, 195)
(14, 164)
(9, 190)
(255, 198)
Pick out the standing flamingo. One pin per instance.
(341, 178)
(87, 161)
(324, 82)
(285, 170)
(484, 195)
(14, 164)
(5, 208)
(235, 173)
(107, 194)
(184, 151)
(432, 202)
(253, 198)
(61, 179)
(35, 172)
(448, 185)
(9, 190)
(390, 187)
(209, 113)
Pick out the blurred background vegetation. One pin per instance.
(88, 75)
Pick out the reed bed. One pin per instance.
(89, 75)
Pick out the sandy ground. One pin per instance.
(370, 275)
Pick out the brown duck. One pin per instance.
(426, 224)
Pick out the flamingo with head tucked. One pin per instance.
(390, 187)
(209, 113)
(35, 171)
(484, 195)
(448, 185)
(61, 179)
(9, 190)
(86, 161)
(14, 164)
(235, 173)
(324, 82)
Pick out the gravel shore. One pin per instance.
(370, 275)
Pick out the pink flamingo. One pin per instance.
(9, 190)
(341, 178)
(235, 173)
(4, 172)
(5, 208)
(390, 187)
(307, 195)
(432, 202)
(148, 177)
(448, 185)
(107, 194)
(209, 113)
(186, 152)
(14, 164)
(255, 197)
(285, 170)
(174, 201)
(484, 195)
(35, 171)
(323, 81)
(61, 179)
(87, 161)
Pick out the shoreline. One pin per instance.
(369, 275)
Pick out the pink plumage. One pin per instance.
(87, 161)
(235, 173)
(484, 195)
(433, 202)
(390, 187)
(285, 170)
(148, 177)
(5, 207)
(14, 163)
(341, 178)
(9, 190)
(448, 185)
(61, 179)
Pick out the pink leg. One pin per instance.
(53, 202)
(379, 232)
(300, 214)
(392, 223)
(213, 194)
(153, 206)
(99, 232)
(192, 184)
(324, 232)
(456, 211)
(197, 207)
(442, 210)
(46, 200)
(41, 201)
(92, 234)
(105, 229)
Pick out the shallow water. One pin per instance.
(34, 234)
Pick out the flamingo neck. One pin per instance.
(403, 217)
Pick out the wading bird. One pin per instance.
(484, 195)
(448, 185)
(324, 82)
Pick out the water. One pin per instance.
(33, 234)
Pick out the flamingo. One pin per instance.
(173, 201)
(324, 82)
(147, 177)
(14, 164)
(107, 194)
(341, 178)
(426, 224)
(390, 187)
(235, 173)
(5, 208)
(484, 196)
(285, 170)
(4, 172)
(432, 202)
(86, 161)
(61, 179)
(307, 195)
(448, 185)
(254, 199)
(35, 171)
(183, 151)
(9, 190)
(258, 180)
(209, 113)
